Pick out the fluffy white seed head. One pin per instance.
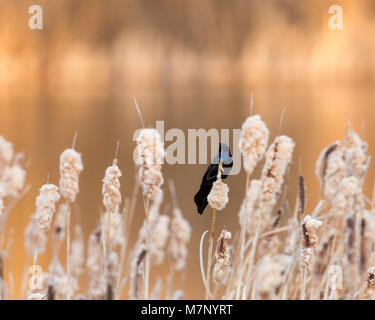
(278, 157)
(253, 142)
(149, 158)
(46, 205)
(222, 254)
(218, 197)
(13, 180)
(159, 239)
(70, 167)
(94, 262)
(309, 228)
(270, 274)
(111, 188)
(355, 154)
(180, 236)
(6, 153)
(250, 214)
(35, 238)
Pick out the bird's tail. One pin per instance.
(200, 200)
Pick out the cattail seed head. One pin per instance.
(35, 238)
(250, 214)
(270, 274)
(94, 262)
(331, 169)
(136, 273)
(13, 180)
(278, 156)
(253, 142)
(70, 167)
(6, 153)
(348, 196)
(180, 236)
(355, 154)
(111, 188)
(222, 266)
(310, 227)
(218, 197)
(150, 155)
(46, 205)
(370, 284)
(159, 239)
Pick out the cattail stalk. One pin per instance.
(211, 240)
(147, 258)
(70, 168)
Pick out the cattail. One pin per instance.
(350, 251)
(309, 239)
(321, 164)
(97, 289)
(322, 253)
(77, 252)
(218, 197)
(278, 156)
(94, 266)
(222, 266)
(355, 155)
(249, 213)
(35, 238)
(348, 197)
(112, 271)
(13, 180)
(59, 225)
(70, 168)
(180, 236)
(367, 229)
(45, 205)
(136, 273)
(253, 142)
(331, 169)
(159, 239)
(94, 254)
(111, 188)
(370, 284)
(270, 275)
(301, 195)
(6, 154)
(57, 277)
(150, 155)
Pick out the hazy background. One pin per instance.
(192, 64)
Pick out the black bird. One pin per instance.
(210, 175)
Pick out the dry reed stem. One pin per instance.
(147, 258)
